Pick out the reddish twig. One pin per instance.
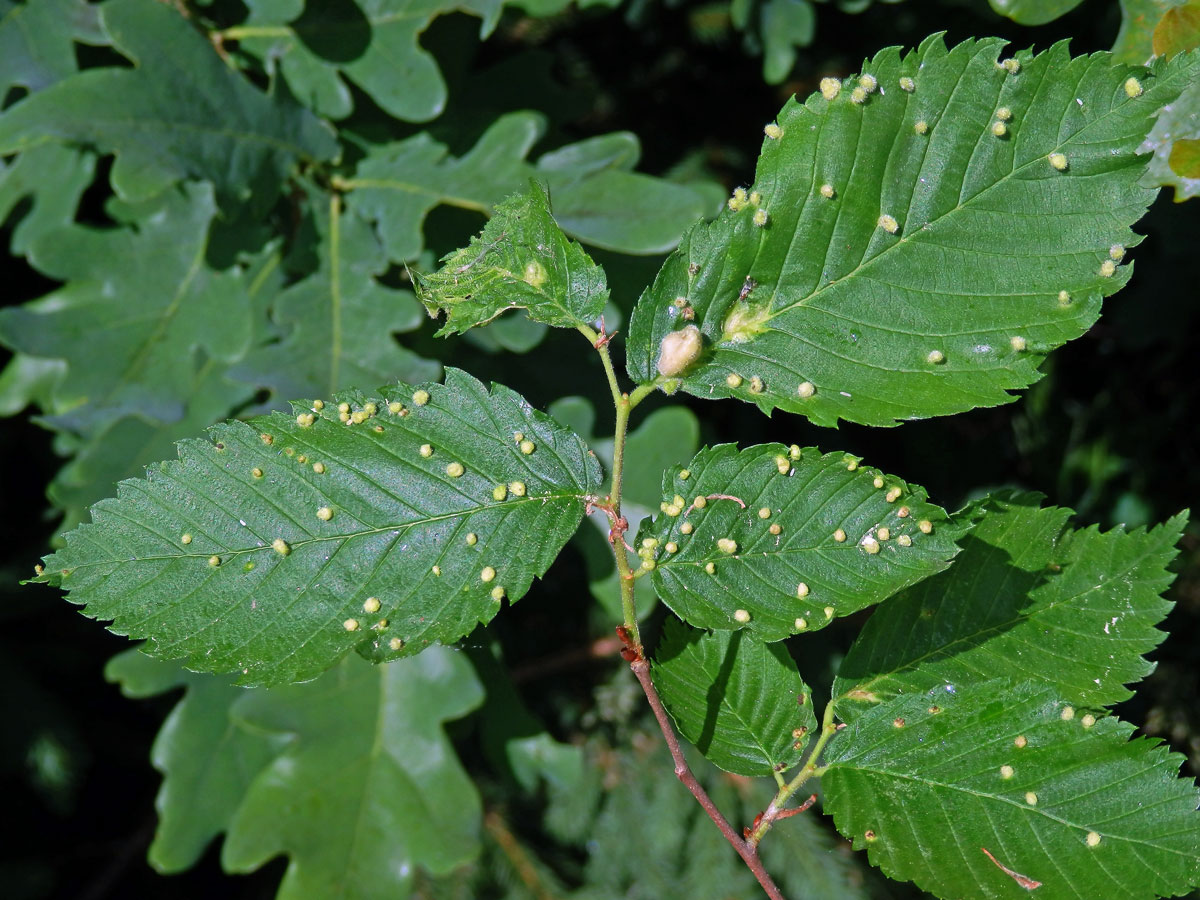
(605, 337)
(747, 851)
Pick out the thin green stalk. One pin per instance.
(623, 405)
(809, 770)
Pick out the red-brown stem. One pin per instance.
(747, 851)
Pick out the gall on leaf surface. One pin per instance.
(1065, 801)
(741, 702)
(274, 546)
(782, 540)
(521, 260)
(1028, 597)
(896, 258)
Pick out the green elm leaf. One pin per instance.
(1068, 804)
(897, 258)
(179, 113)
(275, 546)
(207, 761)
(369, 786)
(781, 540)
(1026, 598)
(741, 702)
(597, 199)
(521, 260)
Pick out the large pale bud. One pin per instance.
(678, 350)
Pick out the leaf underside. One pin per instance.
(1065, 801)
(741, 702)
(273, 547)
(779, 584)
(1027, 598)
(946, 260)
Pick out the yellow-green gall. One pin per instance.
(830, 88)
(319, 468)
(827, 191)
(775, 528)
(1011, 66)
(1108, 269)
(936, 357)
(527, 447)
(214, 561)
(710, 568)
(868, 83)
(256, 472)
(888, 224)
(678, 350)
(727, 545)
(870, 544)
(420, 397)
(472, 539)
(535, 274)
(921, 127)
(371, 605)
(324, 513)
(455, 469)
(686, 528)
(395, 406)
(859, 95)
(1058, 161)
(499, 492)
(498, 594)
(806, 389)
(426, 450)
(487, 574)
(304, 420)
(1018, 343)
(734, 380)
(280, 546)
(764, 512)
(761, 218)
(883, 533)
(773, 131)
(318, 405)
(742, 616)
(1133, 88)
(350, 624)
(517, 488)
(185, 539)
(999, 129)
(907, 84)
(839, 535)
(396, 644)
(801, 590)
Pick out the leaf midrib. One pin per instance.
(346, 536)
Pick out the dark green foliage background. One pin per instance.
(1109, 432)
